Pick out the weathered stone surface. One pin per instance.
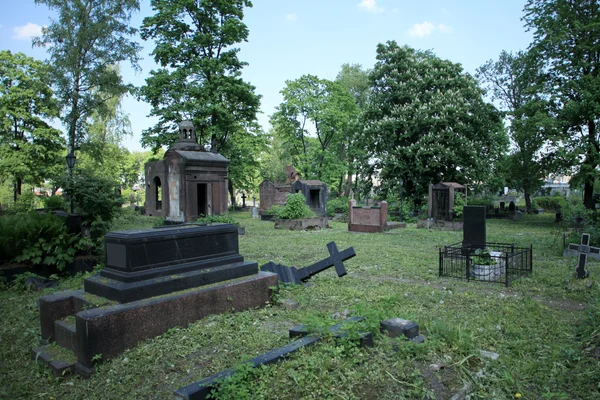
(489, 354)
(152, 262)
(289, 304)
(395, 327)
(367, 219)
(474, 226)
(111, 330)
(301, 224)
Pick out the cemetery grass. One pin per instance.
(545, 327)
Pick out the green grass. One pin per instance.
(549, 348)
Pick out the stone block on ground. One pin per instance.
(395, 327)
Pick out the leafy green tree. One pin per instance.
(85, 42)
(566, 35)
(200, 74)
(356, 81)
(315, 118)
(427, 122)
(29, 147)
(514, 82)
(200, 77)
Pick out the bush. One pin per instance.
(295, 208)
(25, 203)
(337, 205)
(459, 202)
(274, 210)
(96, 198)
(37, 239)
(550, 202)
(55, 203)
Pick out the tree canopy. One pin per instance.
(566, 37)
(29, 147)
(515, 81)
(427, 122)
(85, 42)
(315, 119)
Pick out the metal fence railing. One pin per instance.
(505, 263)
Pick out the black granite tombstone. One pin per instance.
(151, 262)
(474, 226)
(511, 207)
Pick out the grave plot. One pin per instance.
(476, 259)
(153, 280)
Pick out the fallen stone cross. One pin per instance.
(294, 275)
(203, 388)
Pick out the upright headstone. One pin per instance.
(584, 250)
(474, 226)
(254, 212)
(243, 200)
(511, 207)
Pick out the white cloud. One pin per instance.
(423, 29)
(27, 31)
(427, 28)
(445, 28)
(291, 17)
(370, 6)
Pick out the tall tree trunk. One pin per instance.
(592, 160)
(231, 195)
(527, 200)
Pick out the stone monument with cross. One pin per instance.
(583, 251)
(573, 249)
(294, 275)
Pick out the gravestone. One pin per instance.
(511, 207)
(153, 280)
(584, 249)
(474, 226)
(574, 249)
(243, 200)
(581, 271)
(502, 205)
(294, 275)
(254, 213)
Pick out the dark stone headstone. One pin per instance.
(511, 207)
(474, 226)
(581, 271)
(152, 262)
(502, 205)
(399, 327)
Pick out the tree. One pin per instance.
(427, 122)
(566, 36)
(514, 81)
(87, 40)
(200, 76)
(315, 118)
(356, 81)
(29, 146)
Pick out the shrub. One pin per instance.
(459, 202)
(96, 198)
(550, 202)
(295, 208)
(337, 205)
(25, 202)
(55, 203)
(38, 239)
(274, 210)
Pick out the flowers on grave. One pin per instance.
(482, 257)
(517, 395)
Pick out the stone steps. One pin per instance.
(65, 334)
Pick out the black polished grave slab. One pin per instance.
(474, 226)
(151, 262)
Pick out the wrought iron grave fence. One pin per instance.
(505, 263)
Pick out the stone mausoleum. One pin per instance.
(189, 182)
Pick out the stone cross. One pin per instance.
(297, 276)
(253, 201)
(584, 249)
(243, 200)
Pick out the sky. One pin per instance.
(291, 38)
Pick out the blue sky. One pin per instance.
(290, 38)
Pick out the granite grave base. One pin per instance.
(112, 329)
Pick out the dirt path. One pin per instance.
(557, 304)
